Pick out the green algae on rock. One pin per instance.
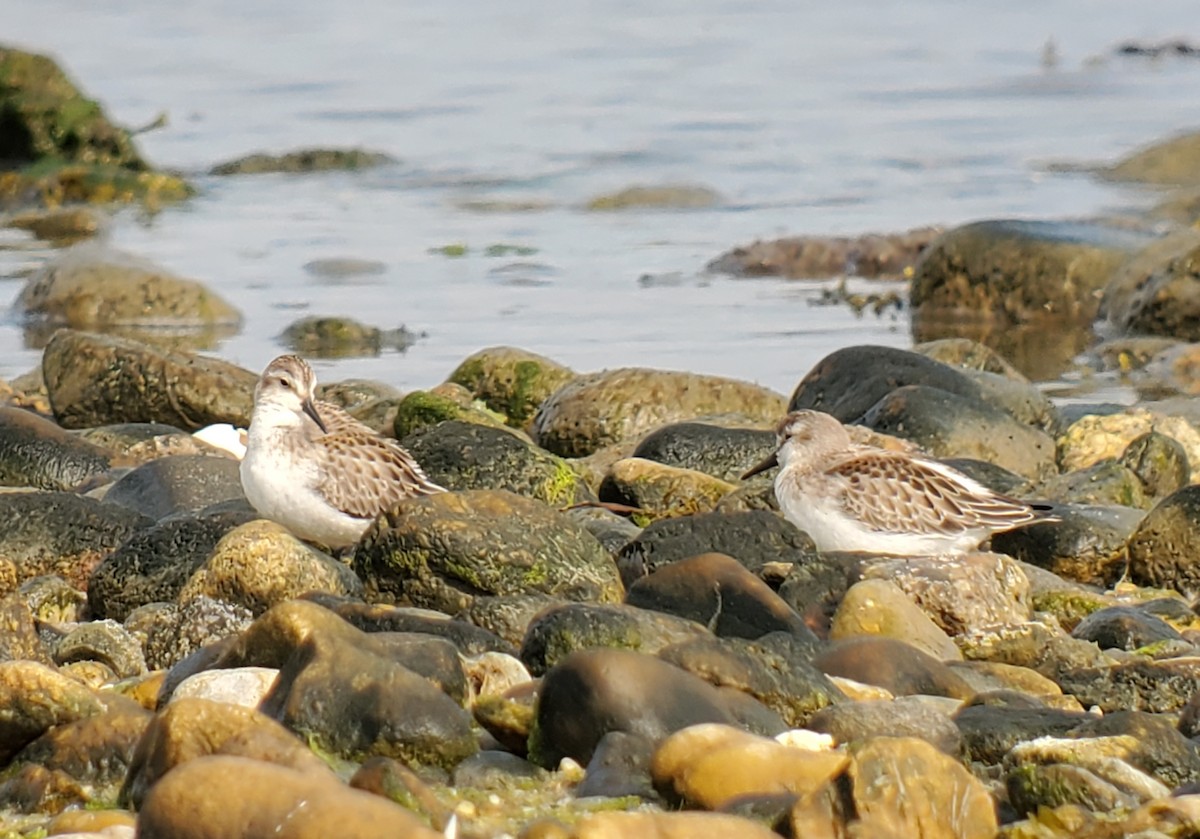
(303, 160)
(511, 381)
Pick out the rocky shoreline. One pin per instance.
(600, 631)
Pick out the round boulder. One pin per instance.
(511, 381)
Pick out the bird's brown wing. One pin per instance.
(886, 489)
(364, 474)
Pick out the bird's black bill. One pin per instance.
(311, 410)
(761, 467)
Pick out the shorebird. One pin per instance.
(315, 469)
(853, 497)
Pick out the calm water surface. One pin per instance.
(806, 118)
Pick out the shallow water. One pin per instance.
(806, 118)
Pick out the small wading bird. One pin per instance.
(314, 468)
(853, 497)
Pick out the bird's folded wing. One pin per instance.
(891, 491)
(364, 474)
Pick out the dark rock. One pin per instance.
(990, 731)
(511, 381)
(611, 530)
(1159, 461)
(561, 630)
(351, 701)
(1077, 775)
(468, 638)
(1124, 628)
(61, 533)
(180, 484)
(718, 592)
(155, 563)
(816, 587)
(1106, 483)
(1086, 544)
(173, 633)
(1164, 548)
(600, 409)
(35, 452)
(1155, 292)
(903, 716)
(496, 770)
(996, 478)
(891, 664)
(947, 425)
(1137, 685)
(1158, 748)
(96, 751)
(303, 160)
(101, 379)
(325, 337)
(464, 455)
(775, 669)
(594, 692)
(442, 550)
(810, 257)
(509, 617)
(620, 766)
(1020, 271)
(754, 538)
(722, 452)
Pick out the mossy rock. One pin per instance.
(303, 160)
(664, 197)
(511, 381)
(423, 408)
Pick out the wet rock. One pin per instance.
(327, 337)
(509, 617)
(37, 698)
(1105, 483)
(495, 770)
(1086, 544)
(724, 453)
(561, 630)
(960, 592)
(94, 286)
(899, 667)
(665, 826)
(903, 786)
(1124, 628)
(422, 409)
(904, 716)
(662, 197)
(1139, 684)
(1020, 271)
(717, 591)
(1162, 550)
(775, 669)
(754, 538)
(1170, 162)
(611, 530)
(443, 550)
(710, 765)
(35, 452)
(101, 379)
(879, 607)
(190, 729)
(153, 564)
(105, 641)
(1152, 744)
(95, 751)
(470, 639)
(990, 731)
(112, 824)
(849, 382)
(593, 692)
(1050, 772)
(61, 533)
(260, 564)
(239, 798)
(620, 766)
(873, 255)
(969, 355)
(660, 491)
(175, 632)
(303, 160)
(245, 686)
(1160, 298)
(600, 409)
(180, 484)
(511, 381)
(352, 701)
(19, 639)
(1093, 438)
(462, 455)
(1160, 463)
(947, 425)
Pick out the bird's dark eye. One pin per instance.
(286, 383)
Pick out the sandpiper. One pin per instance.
(854, 497)
(314, 468)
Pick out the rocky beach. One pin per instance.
(600, 630)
